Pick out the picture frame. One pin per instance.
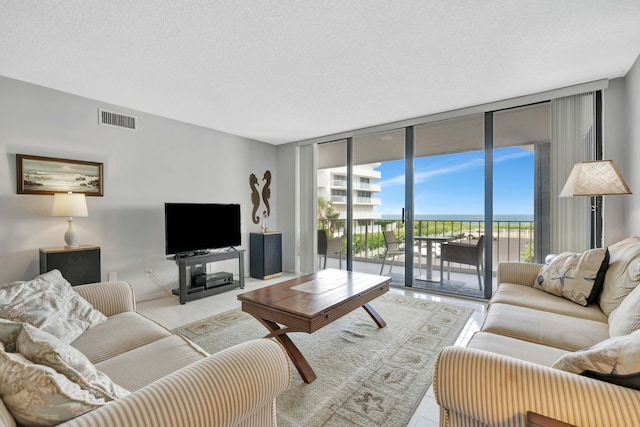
(49, 175)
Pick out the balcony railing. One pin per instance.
(512, 240)
(340, 183)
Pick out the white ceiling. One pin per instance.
(289, 70)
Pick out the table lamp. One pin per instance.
(71, 205)
(594, 179)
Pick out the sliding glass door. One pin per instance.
(438, 205)
(379, 245)
(449, 205)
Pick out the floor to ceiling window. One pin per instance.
(438, 205)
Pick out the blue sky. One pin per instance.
(454, 184)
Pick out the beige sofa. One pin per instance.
(506, 369)
(172, 381)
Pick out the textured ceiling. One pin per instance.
(289, 70)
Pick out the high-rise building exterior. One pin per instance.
(332, 186)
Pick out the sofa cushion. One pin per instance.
(142, 366)
(616, 355)
(623, 274)
(543, 327)
(37, 395)
(527, 296)
(44, 349)
(48, 302)
(576, 276)
(626, 318)
(119, 334)
(519, 349)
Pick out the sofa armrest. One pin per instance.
(109, 298)
(497, 390)
(520, 273)
(224, 389)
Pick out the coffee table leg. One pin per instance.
(301, 364)
(375, 316)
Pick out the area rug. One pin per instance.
(367, 376)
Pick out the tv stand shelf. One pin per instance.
(187, 292)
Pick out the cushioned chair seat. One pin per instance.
(525, 296)
(523, 350)
(543, 327)
(142, 366)
(100, 343)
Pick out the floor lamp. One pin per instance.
(595, 179)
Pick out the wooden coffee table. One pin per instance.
(307, 303)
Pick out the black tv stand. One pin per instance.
(188, 291)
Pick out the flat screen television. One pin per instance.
(196, 227)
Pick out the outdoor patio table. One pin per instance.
(430, 240)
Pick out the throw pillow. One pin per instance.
(575, 276)
(44, 349)
(48, 302)
(9, 332)
(623, 274)
(616, 355)
(36, 395)
(626, 318)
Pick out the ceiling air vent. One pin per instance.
(111, 118)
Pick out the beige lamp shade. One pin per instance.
(596, 178)
(69, 204)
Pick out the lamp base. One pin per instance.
(71, 236)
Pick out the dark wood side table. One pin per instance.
(78, 265)
(537, 420)
(265, 256)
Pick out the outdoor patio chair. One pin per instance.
(327, 246)
(392, 247)
(462, 253)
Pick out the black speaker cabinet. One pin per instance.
(265, 255)
(78, 265)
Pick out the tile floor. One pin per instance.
(171, 314)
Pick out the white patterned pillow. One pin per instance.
(44, 349)
(9, 332)
(623, 274)
(626, 318)
(48, 302)
(576, 276)
(37, 395)
(616, 355)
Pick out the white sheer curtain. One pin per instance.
(573, 140)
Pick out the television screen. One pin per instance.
(191, 227)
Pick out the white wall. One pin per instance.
(615, 148)
(632, 170)
(287, 199)
(163, 161)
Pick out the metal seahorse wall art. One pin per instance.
(266, 193)
(255, 196)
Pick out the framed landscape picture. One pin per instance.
(48, 175)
